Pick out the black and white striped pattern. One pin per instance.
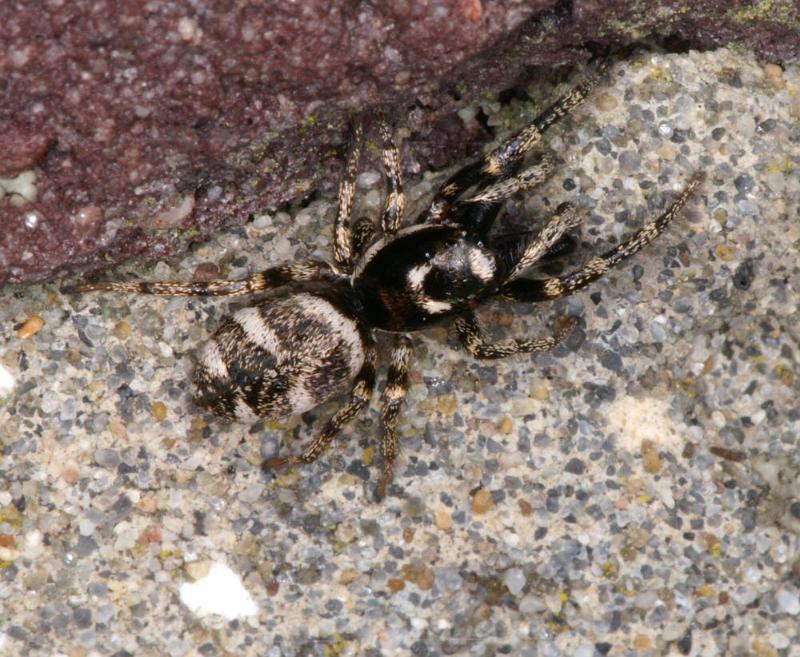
(281, 357)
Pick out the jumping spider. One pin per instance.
(313, 337)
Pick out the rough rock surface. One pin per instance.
(147, 126)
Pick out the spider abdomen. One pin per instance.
(279, 358)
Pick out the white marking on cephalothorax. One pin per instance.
(211, 359)
(257, 330)
(243, 411)
(339, 324)
(416, 276)
(481, 264)
(370, 253)
(434, 306)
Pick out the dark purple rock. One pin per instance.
(151, 125)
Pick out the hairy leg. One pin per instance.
(264, 280)
(393, 396)
(560, 286)
(527, 179)
(360, 394)
(342, 236)
(501, 161)
(395, 198)
(364, 230)
(476, 344)
(564, 219)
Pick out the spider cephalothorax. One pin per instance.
(313, 336)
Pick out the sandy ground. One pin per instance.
(633, 492)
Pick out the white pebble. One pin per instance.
(49, 403)
(665, 130)
(645, 599)
(788, 602)
(262, 221)
(86, 527)
(531, 604)
(674, 631)
(779, 641)
(368, 179)
(515, 580)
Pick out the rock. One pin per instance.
(246, 108)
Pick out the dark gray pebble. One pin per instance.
(611, 360)
(744, 182)
(575, 466)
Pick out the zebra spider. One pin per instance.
(313, 338)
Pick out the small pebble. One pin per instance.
(575, 466)
(71, 475)
(779, 641)
(514, 580)
(531, 604)
(540, 392)
(368, 179)
(159, 410)
(725, 252)
(482, 501)
(789, 602)
(744, 182)
(743, 276)
(197, 569)
(122, 330)
(206, 271)
(607, 102)
(642, 642)
(630, 161)
(773, 72)
(650, 458)
(107, 457)
(31, 327)
(418, 574)
(395, 584)
(674, 631)
(444, 520)
(525, 508)
(645, 599)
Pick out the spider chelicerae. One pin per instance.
(312, 336)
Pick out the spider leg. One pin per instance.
(564, 219)
(501, 161)
(507, 187)
(475, 342)
(342, 235)
(360, 394)
(478, 212)
(363, 231)
(395, 198)
(393, 395)
(560, 286)
(273, 277)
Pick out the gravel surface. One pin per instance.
(633, 492)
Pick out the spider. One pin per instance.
(313, 336)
